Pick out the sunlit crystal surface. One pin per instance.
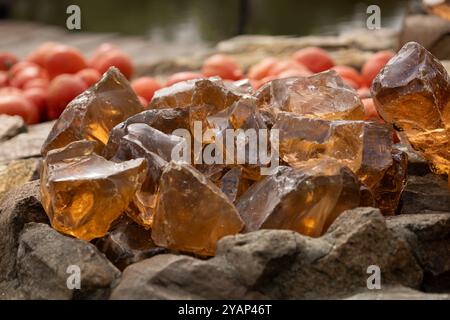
(95, 112)
(83, 193)
(413, 93)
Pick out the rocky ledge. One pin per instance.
(410, 250)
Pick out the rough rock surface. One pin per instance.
(43, 259)
(280, 264)
(428, 192)
(169, 276)
(428, 234)
(18, 207)
(15, 173)
(10, 126)
(397, 293)
(27, 144)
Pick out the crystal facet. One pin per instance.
(192, 214)
(233, 183)
(323, 95)
(306, 200)
(164, 120)
(142, 141)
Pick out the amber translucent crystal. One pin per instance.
(323, 95)
(242, 117)
(306, 200)
(127, 243)
(197, 92)
(83, 193)
(192, 213)
(143, 141)
(413, 93)
(233, 183)
(365, 147)
(164, 120)
(95, 112)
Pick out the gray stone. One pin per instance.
(428, 192)
(10, 290)
(15, 173)
(10, 126)
(169, 276)
(43, 259)
(27, 144)
(280, 264)
(430, 31)
(17, 208)
(397, 293)
(428, 234)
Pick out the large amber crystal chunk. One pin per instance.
(413, 93)
(83, 193)
(323, 95)
(365, 147)
(306, 200)
(192, 214)
(95, 112)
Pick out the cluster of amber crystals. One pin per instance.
(109, 171)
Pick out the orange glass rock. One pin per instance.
(245, 122)
(412, 92)
(197, 92)
(142, 141)
(323, 95)
(192, 213)
(306, 200)
(360, 145)
(365, 147)
(95, 112)
(164, 120)
(83, 193)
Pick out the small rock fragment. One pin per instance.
(428, 192)
(127, 243)
(15, 173)
(46, 259)
(10, 126)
